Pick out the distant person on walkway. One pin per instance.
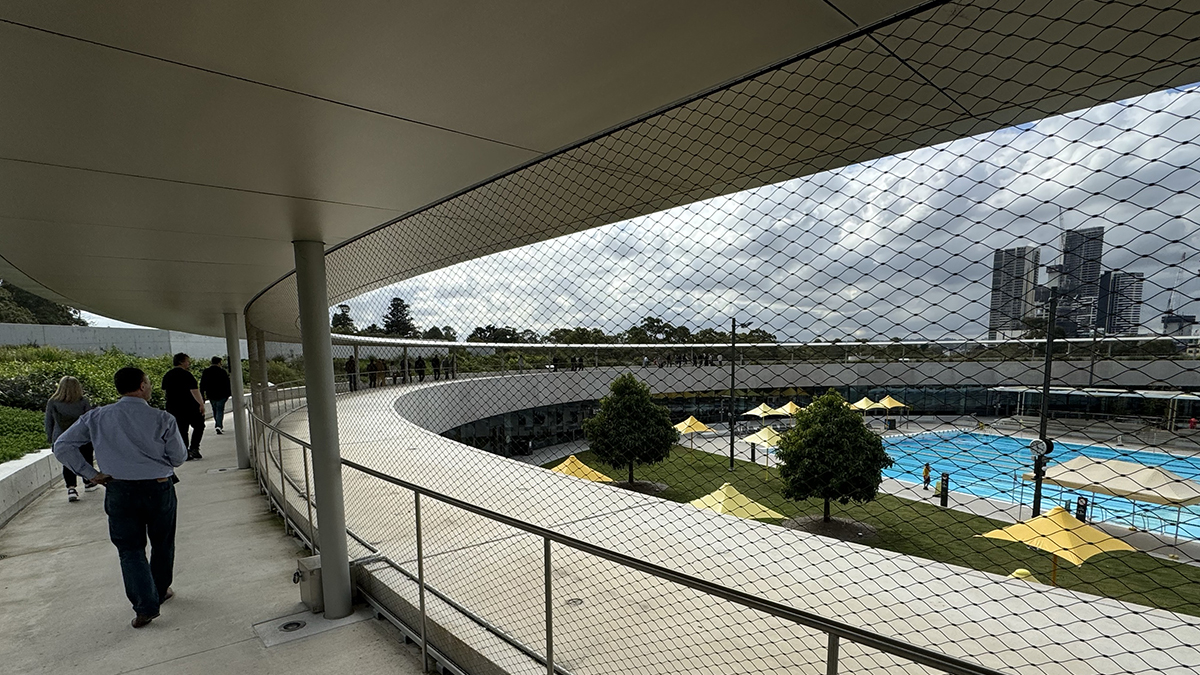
(1192, 423)
(63, 409)
(372, 373)
(138, 449)
(352, 373)
(926, 474)
(184, 402)
(419, 366)
(645, 361)
(214, 386)
(436, 363)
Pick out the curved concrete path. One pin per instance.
(626, 621)
(64, 608)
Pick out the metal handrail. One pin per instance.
(835, 629)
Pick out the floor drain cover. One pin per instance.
(292, 626)
(575, 602)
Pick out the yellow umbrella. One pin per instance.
(865, 404)
(571, 466)
(788, 408)
(728, 500)
(690, 426)
(763, 410)
(1062, 535)
(889, 402)
(764, 436)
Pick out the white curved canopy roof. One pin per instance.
(157, 159)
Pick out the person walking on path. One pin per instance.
(215, 386)
(352, 373)
(420, 368)
(436, 363)
(925, 475)
(63, 409)
(137, 448)
(185, 403)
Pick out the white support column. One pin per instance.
(233, 347)
(322, 426)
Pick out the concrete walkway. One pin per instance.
(65, 608)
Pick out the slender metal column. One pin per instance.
(322, 426)
(233, 347)
(260, 375)
(549, 607)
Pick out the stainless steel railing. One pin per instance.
(267, 435)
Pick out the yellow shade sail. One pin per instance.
(788, 408)
(691, 425)
(763, 410)
(765, 436)
(728, 500)
(865, 403)
(889, 402)
(571, 466)
(1060, 533)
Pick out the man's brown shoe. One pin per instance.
(141, 620)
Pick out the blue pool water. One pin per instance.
(990, 466)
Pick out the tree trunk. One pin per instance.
(827, 510)
(631, 473)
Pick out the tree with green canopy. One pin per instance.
(831, 455)
(630, 428)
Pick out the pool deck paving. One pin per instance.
(65, 608)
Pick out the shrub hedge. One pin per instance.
(21, 432)
(29, 375)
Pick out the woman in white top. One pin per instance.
(66, 406)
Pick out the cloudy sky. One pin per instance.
(897, 247)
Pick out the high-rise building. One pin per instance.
(1014, 285)
(1080, 283)
(1119, 302)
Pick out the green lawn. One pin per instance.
(21, 432)
(928, 531)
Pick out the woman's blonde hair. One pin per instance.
(69, 390)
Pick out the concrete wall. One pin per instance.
(22, 480)
(445, 405)
(136, 341)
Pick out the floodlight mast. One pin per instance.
(733, 326)
(1043, 449)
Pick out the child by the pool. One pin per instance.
(925, 474)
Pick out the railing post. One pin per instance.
(421, 584)
(549, 609)
(312, 526)
(831, 656)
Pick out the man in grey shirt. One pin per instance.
(137, 448)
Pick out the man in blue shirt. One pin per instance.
(137, 449)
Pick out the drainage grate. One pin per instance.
(292, 626)
(575, 602)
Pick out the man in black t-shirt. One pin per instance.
(184, 402)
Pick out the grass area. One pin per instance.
(21, 432)
(927, 531)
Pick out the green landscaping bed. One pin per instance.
(21, 432)
(927, 531)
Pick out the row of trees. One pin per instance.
(829, 454)
(398, 322)
(18, 305)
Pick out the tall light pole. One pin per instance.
(1043, 446)
(733, 326)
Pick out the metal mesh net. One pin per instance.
(927, 283)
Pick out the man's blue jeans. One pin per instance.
(139, 510)
(218, 412)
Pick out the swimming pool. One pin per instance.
(990, 466)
